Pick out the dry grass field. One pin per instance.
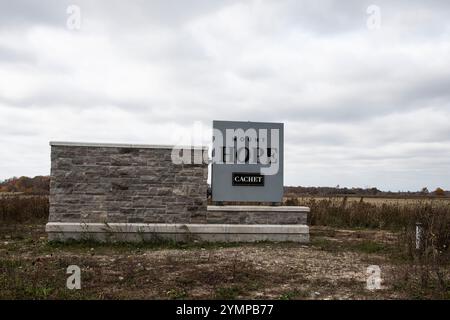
(379, 201)
(346, 238)
(333, 266)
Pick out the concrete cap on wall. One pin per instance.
(122, 145)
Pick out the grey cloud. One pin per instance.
(10, 55)
(25, 13)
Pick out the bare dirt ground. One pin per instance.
(332, 266)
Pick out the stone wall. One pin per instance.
(281, 215)
(125, 184)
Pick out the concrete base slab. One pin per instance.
(138, 232)
(260, 208)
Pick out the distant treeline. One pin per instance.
(39, 185)
(332, 191)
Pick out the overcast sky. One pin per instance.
(365, 101)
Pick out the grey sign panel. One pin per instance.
(247, 161)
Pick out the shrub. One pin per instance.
(16, 209)
(425, 240)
